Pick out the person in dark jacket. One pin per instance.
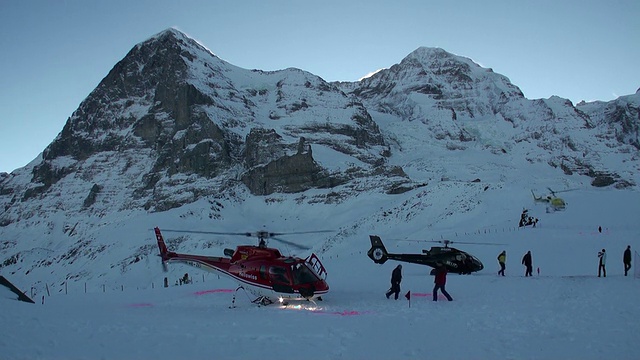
(526, 261)
(626, 259)
(440, 281)
(396, 279)
(602, 263)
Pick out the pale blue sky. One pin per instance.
(53, 53)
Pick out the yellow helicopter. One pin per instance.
(555, 203)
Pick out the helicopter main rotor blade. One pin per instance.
(475, 243)
(561, 191)
(422, 240)
(300, 232)
(453, 242)
(259, 234)
(264, 234)
(301, 247)
(208, 232)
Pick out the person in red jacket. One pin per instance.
(440, 281)
(396, 278)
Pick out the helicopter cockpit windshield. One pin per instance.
(302, 274)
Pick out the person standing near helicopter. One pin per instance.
(502, 260)
(626, 260)
(440, 281)
(396, 279)
(527, 262)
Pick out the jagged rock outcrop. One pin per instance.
(271, 169)
(287, 174)
(621, 117)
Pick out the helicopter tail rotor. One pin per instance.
(378, 253)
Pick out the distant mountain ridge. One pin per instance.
(448, 93)
(172, 124)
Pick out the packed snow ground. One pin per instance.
(565, 311)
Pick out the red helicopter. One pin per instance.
(262, 271)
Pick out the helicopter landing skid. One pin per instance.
(262, 300)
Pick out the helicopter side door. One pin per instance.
(280, 279)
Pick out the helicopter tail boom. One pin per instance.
(164, 253)
(378, 253)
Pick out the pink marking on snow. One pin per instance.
(340, 313)
(421, 294)
(138, 305)
(203, 292)
(429, 295)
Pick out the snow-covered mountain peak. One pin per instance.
(431, 56)
(425, 52)
(173, 35)
(438, 61)
(168, 32)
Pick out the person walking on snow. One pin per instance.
(440, 281)
(626, 259)
(502, 260)
(602, 255)
(396, 278)
(526, 261)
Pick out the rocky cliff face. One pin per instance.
(621, 117)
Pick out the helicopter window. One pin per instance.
(278, 275)
(303, 275)
(263, 272)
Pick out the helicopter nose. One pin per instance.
(307, 293)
